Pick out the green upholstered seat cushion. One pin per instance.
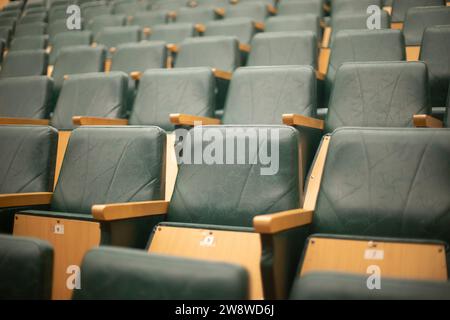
(112, 273)
(140, 56)
(106, 20)
(30, 29)
(200, 14)
(67, 39)
(401, 7)
(24, 63)
(300, 7)
(172, 33)
(113, 36)
(301, 22)
(147, 19)
(29, 43)
(242, 28)
(26, 266)
(58, 214)
(257, 11)
(352, 7)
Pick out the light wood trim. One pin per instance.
(136, 75)
(24, 121)
(388, 9)
(324, 60)
(315, 178)
(398, 260)
(97, 121)
(244, 47)
(169, 62)
(304, 121)
(172, 14)
(326, 37)
(260, 26)
(281, 221)
(322, 24)
(426, 121)
(50, 70)
(271, 9)
(220, 12)
(25, 199)
(63, 141)
(112, 50)
(397, 25)
(128, 210)
(241, 248)
(108, 63)
(200, 28)
(172, 47)
(412, 53)
(147, 31)
(225, 75)
(191, 120)
(171, 166)
(320, 75)
(326, 7)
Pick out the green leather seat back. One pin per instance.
(129, 8)
(300, 7)
(434, 52)
(386, 182)
(32, 18)
(241, 28)
(5, 36)
(30, 29)
(351, 6)
(67, 39)
(401, 7)
(141, 56)
(111, 37)
(149, 18)
(103, 21)
(261, 95)
(8, 22)
(232, 194)
(181, 90)
(10, 14)
(200, 14)
(284, 48)
(26, 267)
(91, 94)
(91, 10)
(172, 33)
(28, 43)
(76, 60)
(26, 97)
(257, 11)
(24, 63)
(57, 12)
(303, 22)
(113, 273)
(419, 18)
(60, 26)
(110, 165)
(221, 52)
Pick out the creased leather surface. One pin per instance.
(172, 33)
(24, 63)
(26, 97)
(231, 195)
(241, 28)
(300, 7)
(67, 39)
(435, 52)
(261, 95)
(400, 7)
(112, 273)
(28, 43)
(140, 56)
(26, 267)
(165, 91)
(27, 157)
(199, 14)
(149, 18)
(387, 183)
(109, 165)
(91, 94)
(113, 36)
(103, 21)
(283, 48)
(303, 22)
(418, 19)
(30, 29)
(219, 52)
(257, 11)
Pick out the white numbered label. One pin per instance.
(374, 254)
(58, 229)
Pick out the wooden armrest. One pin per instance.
(25, 199)
(271, 9)
(303, 121)
(225, 75)
(426, 121)
(112, 50)
(281, 221)
(136, 75)
(172, 47)
(94, 44)
(200, 28)
(388, 9)
(172, 14)
(320, 75)
(326, 37)
(98, 121)
(220, 12)
(244, 47)
(128, 210)
(259, 26)
(24, 121)
(191, 120)
(147, 31)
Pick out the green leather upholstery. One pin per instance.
(419, 18)
(8, 22)
(172, 33)
(351, 6)
(160, 94)
(257, 11)
(103, 21)
(10, 14)
(300, 7)
(94, 9)
(67, 39)
(284, 48)
(401, 7)
(339, 286)
(261, 95)
(112, 273)
(30, 29)
(149, 19)
(434, 52)
(24, 63)
(76, 60)
(28, 43)
(57, 27)
(26, 97)
(103, 95)
(27, 161)
(196, 15)
(111, 37)
(363, 46)
(57, 12)
(303, 22)
(5, 35)
(32, 18)
(221, 52)
(241, 28)
(384, 94)
(129, 8)
(26, 267)
(141, 56)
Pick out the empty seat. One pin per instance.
(129, 8)
(57, 27)
(10, 14)
(157, 277)
(32, 18)
(172, 33)
(195, 15)
(257, 11)
(91, 10)
(304, 22)
(401, 7)
(111, 37)
(24, 63)
(146, 20)
(30, 29)
(67, 39)
(8, 22)
(98, 23)
(241, 28)
(352, 6)
(300, 7)
(28, 43)
(25, 268)
(27, 167)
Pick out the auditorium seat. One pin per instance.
(57, 27)
(28, 43)
(173, 33)
(379, 199)
(26, 168)
(353, 6)
(113, 273)
(129, 8)
(146, 20)
(257, 11)
(401, 7)
(302, 22)
(10, 14)
(57, 12)
(32, 18)
(25, 268)
(98, 23)
(314, 7)
(24, 63)
(67, 39)
(194, 15)
(107, 179)
(111, 37)
(90, 10)
(30, 29)
(8, 22)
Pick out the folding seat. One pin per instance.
(57, 27)
(25, 269)
(24, 63)
(111, 37)
(353, 6)
(28, 43)
(137, 275)
(32, 18)
(194, 15)
(146, 20)
(173, 33)
(380, 208)
(401, 7)
(303, 22)
(129, 8)
(98, 23)
(314, 7)
(111, 174)
(30, 29)
(67, 39)
(257, 11)
(90, 10)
